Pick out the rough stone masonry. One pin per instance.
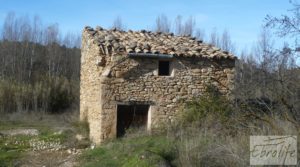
(143, 67)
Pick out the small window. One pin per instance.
(164, 68)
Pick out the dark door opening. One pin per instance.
(131, 116)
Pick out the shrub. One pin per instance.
(211, 103)
(60, 94)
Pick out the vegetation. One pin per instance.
(14, 147)
(204, 137)
(210, 103)
(56, 133)
(137, 151)
(39, 68)
(48, 94)
(40, 72)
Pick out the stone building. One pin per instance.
(137, 78)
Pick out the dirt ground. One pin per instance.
(49, 159)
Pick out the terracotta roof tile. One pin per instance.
(153, 42)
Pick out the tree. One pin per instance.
(222, 41)
(162, 24)
(200, 34)
(8, 27)
(214, 38)
(226, 43)
(178, 25)
(287, 25)
(118, 24)
(38, 64)
(267, 77)
(189, 26)
(287, 69)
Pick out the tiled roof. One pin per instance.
(124, 42)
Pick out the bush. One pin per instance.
(213, 132)
(60, 95)
(211, 103)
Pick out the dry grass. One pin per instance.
(213, 142)
(63, 120)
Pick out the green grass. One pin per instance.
(7, 158)
(13, 148)
(128, 152)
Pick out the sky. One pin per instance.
(243, 19)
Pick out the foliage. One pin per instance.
(53, 94)
(210, 139)
(39, 67)
(210, 103)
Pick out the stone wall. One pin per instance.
(136, 80)
(90, 87)
(109, 80)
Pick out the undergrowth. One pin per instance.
(211, 131)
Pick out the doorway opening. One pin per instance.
(131, 116)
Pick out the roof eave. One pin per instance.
(150, 55)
